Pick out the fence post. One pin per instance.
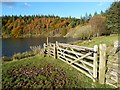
(48, 49)
(47, 41)
(56, 49)
(95, 61)
(102, 63)
(44, 47)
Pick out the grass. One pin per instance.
(47, 72)
(108, 40)
(44, 72)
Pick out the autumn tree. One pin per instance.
(98, 25)
(18, 26)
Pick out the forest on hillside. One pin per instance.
(50, 25)
(16, 26)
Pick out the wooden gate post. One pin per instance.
(102, 63)
(95, 62)
(56, 48)
(44, 47)
(48, 49)
(54, 52)
(47, 41)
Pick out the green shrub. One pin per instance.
(84, 32)
(98, 23)
(5, 58)
(19, 56)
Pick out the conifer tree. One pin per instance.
(113, 17)
(95, 14)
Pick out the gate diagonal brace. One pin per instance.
(74, 51)
(81, 57)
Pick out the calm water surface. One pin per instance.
(0, 47)
(11, 46)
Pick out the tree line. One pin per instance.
(23, 26)
(49, 25)
(16, 26)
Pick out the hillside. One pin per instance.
(79, 31)
(36, 25)
(49, 72)
(44, 72)
(108, 40)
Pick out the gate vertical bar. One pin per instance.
(95, 62)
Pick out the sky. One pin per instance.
(62, 9)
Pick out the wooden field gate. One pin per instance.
(89, 61)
